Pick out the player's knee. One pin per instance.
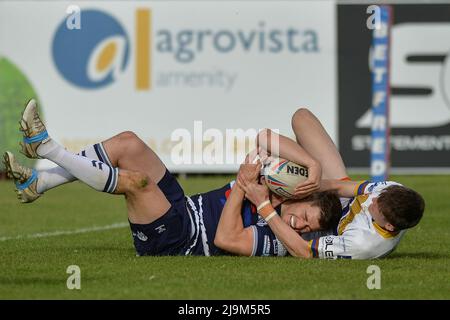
(127, 136)
(301, 115)
(130, 142)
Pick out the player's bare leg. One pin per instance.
(140, 171)
(145, 201)
(127, 151)
(313, 138)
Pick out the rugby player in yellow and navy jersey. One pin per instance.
(374, 215)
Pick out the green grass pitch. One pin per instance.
(35, 267)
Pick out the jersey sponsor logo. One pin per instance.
(266, 246)
(161, 228)
(275, 246)
(141, 236)
(328, 243)
(281, 250)
(261, 222)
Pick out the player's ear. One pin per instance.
(389, 227)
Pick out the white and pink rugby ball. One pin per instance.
(282, 176)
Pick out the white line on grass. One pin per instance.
(66, 232)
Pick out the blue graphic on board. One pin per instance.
(380, 152)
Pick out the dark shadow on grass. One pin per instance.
(44, 281)
(418, 255)
(31, 281)
(66, 249)
(104, 248)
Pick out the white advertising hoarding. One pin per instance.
(155, 67)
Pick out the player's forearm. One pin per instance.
(280, 146)
(293, 242)
(344, 189)
(230, 223)
(328, 185)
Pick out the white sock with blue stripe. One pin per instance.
(54, 177)
(93, 172)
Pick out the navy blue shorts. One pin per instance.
(170, 233)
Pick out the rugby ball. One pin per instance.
(282, 176)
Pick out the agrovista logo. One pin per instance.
(94, 55)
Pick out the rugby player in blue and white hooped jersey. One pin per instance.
(374, 215)
(163, 220)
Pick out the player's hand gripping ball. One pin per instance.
(282, 176)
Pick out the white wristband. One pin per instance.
(270, 216)
(262, 205)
